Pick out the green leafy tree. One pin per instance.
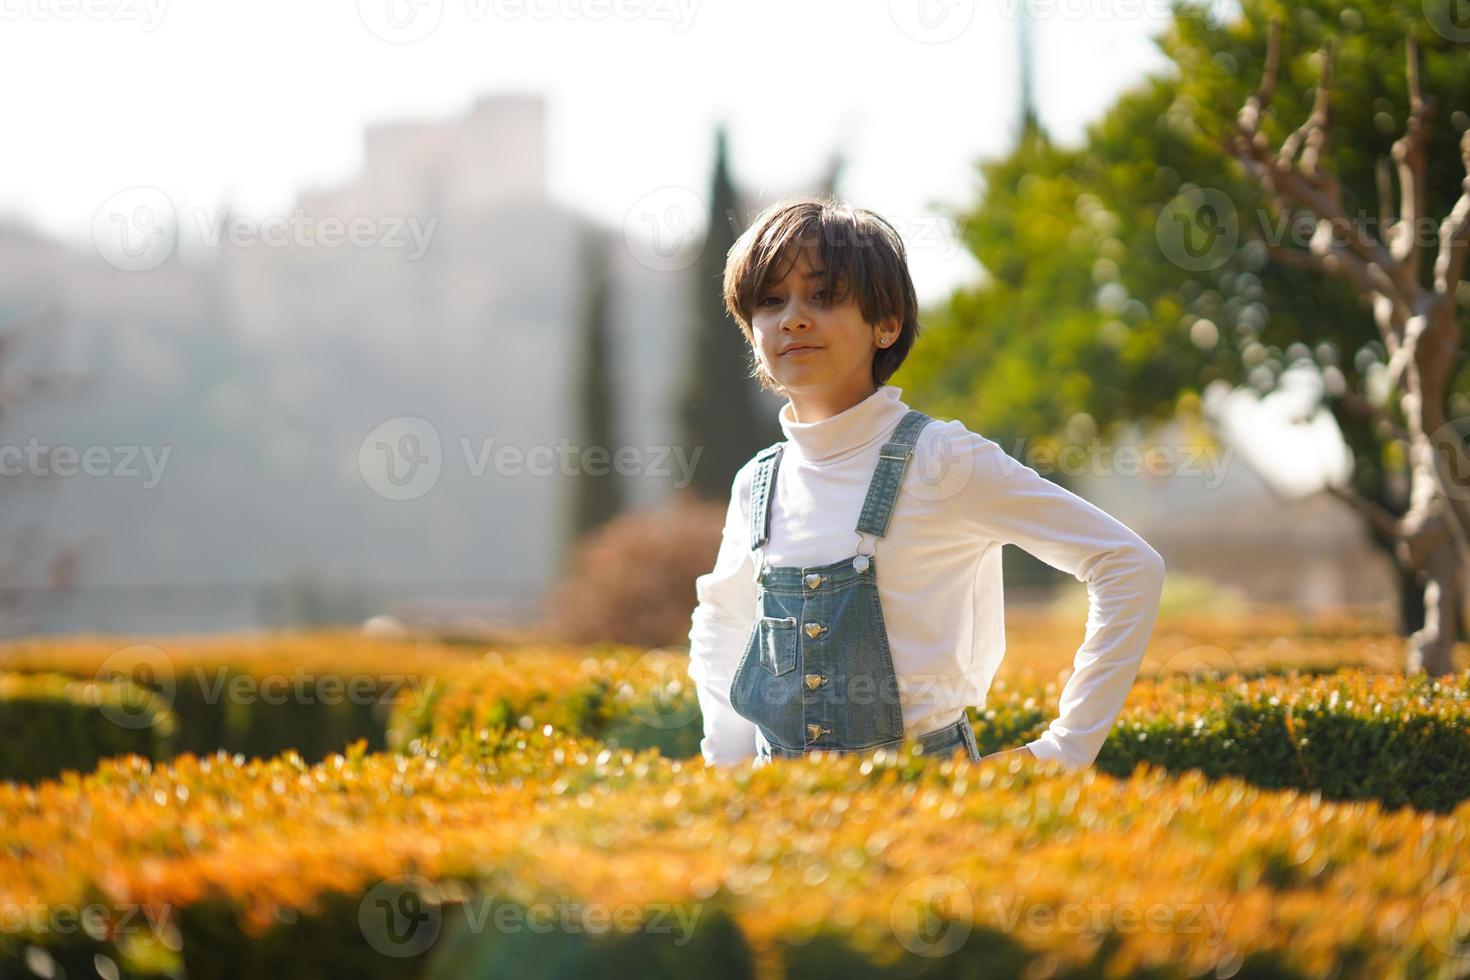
(1169, 251)
(596, 496)
(719, 414)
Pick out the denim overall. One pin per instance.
(817, 672)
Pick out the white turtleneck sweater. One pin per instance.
(938, 574)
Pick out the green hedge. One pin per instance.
(50, 723)
(1414, 760)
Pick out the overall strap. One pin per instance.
(760, 493)
(893, 459)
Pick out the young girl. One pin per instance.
(856, 600)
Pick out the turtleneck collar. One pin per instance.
(848, 432)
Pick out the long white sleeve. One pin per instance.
(719, 630)
(1004, 500)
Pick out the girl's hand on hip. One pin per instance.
(1024, 751)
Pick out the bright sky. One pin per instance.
(225, 101)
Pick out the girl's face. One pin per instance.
(820, 352)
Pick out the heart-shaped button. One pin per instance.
(812, 629)
(813, 580)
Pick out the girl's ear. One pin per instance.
(885, 331)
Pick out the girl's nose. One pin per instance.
(795, 315)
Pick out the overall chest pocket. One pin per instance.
(776, 643)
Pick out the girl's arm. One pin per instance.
(719, 629)
(1000, 499)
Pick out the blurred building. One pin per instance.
(263, 368)
(252, 374)
(1211, 516)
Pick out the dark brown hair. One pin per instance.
(859, 251)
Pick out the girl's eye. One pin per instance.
(818, 295)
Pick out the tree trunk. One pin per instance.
(1418, 325)
(1411, 599)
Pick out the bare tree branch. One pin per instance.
(1313, 131)
(1387, 524)
(1410, 154)
(1454, 234)
(1249, 117)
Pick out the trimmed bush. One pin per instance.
(51, 723)
(893, 865)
